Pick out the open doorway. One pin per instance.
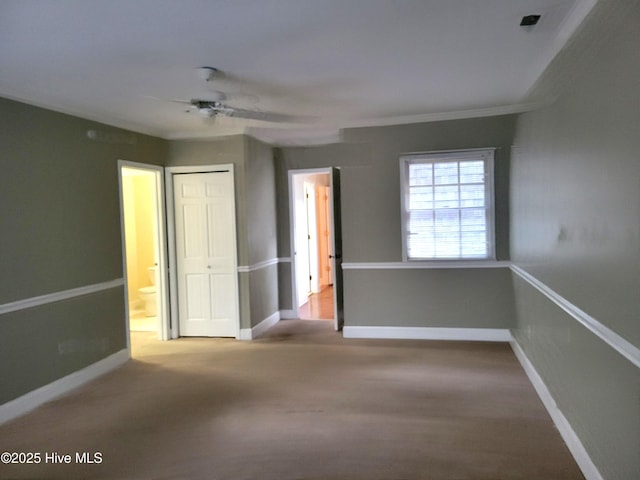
(142, 219)
(313, 238)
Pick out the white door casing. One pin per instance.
(297, 219)
(300, 241)
(206, 259)
(160, 249)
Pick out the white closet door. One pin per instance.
(206, 254)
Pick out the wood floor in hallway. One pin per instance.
(300, 403)
(319, 306)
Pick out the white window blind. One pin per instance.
(447, 202)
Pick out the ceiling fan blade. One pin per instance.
(264, 116)
(235, 96)
(185, 102)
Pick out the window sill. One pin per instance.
(430, 264)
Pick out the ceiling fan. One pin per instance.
(212, 108)
(209, 108)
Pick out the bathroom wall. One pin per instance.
(145, 225)
(139, 210)
(131, 242)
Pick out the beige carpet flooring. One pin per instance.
(301, 403)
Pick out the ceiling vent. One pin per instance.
(529, 20)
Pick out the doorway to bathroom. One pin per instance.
(144, 250)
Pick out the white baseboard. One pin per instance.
(288, 314)
(574, 444)
(429, 333)
(258, 330)
(29, 401)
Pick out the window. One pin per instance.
(447, 205)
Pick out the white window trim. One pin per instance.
(489, 204)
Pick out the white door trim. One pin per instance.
(292, 173)
(162, 288)
(171, 227)
(59, 296)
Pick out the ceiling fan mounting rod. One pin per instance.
(207, 73)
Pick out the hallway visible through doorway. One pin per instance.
(316, 242)
(319, 306)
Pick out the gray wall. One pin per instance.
(573, 223)
(262, 236)
(223, 150)
(370, 178)
(576, 228)
(60, 229)
(455, 298)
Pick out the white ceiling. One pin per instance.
(346, 62)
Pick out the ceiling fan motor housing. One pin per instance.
(207, 73)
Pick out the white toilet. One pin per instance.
(148, 294)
